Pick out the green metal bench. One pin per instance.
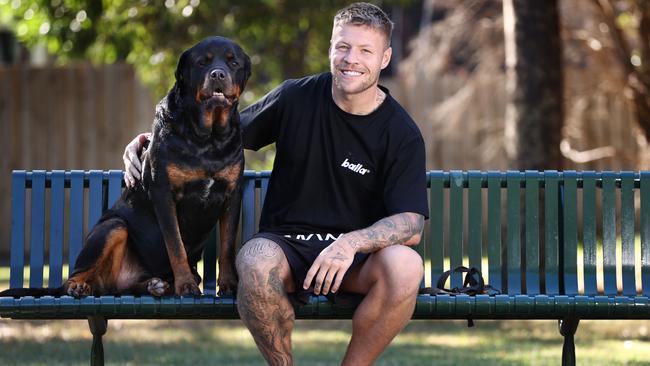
(530, 233)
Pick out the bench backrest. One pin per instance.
(528, 232)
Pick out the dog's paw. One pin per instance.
(188, 289)
(157, 287)
(77, 288)
(227, 282)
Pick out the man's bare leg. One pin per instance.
(264, 279)
(390, 278)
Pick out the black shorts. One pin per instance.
(301, 251)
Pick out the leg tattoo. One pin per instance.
(262, 301)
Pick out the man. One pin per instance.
(346, 197)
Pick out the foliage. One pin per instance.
(286, 38)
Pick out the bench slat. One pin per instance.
(95, 197)
(645, 231)
(75, 234)
(265, 188)
(589, 232)
(570, 225)
(513, 189)
(57, 215)
(475, 220)
(248, 209)
(456, 226)
(627, 232)
(436, 231)
(494, 230)
(17, 256)
(114, 186)
(551, 231)
(37, 237)
(532, 232)
(210, 263)
(609, 232)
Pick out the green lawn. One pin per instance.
(205, 342)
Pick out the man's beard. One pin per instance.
(365, 84)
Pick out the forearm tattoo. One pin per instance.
(393, 230)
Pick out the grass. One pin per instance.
(205, 342)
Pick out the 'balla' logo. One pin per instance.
(357, 168)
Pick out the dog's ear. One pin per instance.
(182, 70)
(245, 72)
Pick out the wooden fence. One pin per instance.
(77, 117)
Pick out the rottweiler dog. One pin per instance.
(150, 241)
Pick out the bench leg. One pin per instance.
(568, 327)
(98, 329)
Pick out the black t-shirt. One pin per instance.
(334, 172)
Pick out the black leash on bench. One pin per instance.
(473, 284)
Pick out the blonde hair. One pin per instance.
(365, 14)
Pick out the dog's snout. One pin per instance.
(218, 74)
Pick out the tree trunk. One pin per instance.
(534, 111)
(637, 79)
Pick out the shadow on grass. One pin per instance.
(206, 342)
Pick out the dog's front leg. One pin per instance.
(165, 208)
(228, 222)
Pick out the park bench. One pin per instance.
(547, 240)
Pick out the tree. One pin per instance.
(534, 113)
(628, 23)
(286, 38)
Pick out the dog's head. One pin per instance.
(212, 75)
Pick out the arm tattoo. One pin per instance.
(393, 230)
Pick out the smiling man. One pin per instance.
(346, 198)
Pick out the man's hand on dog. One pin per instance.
(131, 157)
(329, 267)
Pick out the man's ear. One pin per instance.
(386, 57)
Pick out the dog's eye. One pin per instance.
(234, 63)
(201, 62)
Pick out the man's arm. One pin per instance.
(403, 228)
(332, 263)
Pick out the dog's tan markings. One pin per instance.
(230, 174)
(223, 117)
(208, 117)
(180, 176)
(103, 276)
(110, 262)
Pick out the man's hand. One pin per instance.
(332, 263)
(131, 157)
(330, 266)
